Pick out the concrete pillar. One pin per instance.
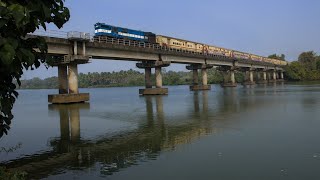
(246, 76)
(73, 79)
(195, 77)
(159, 90)
(225, 77)
(264, 75)
(83, 48)
(232, 78)
(269, 76)
(258, 76)
(75, 124)
(229, 79)
(158, 77)
(251, 76)
(148, 77)
(281, 75)
(204, 85)
(204, 77)
(63, 79)
(75, 48)
(274, 75)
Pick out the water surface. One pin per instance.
(266, 132)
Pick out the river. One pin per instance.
(265, 132)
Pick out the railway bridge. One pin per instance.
(74, 48)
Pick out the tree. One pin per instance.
(318, 63)
(295, 71)
(306, 68)
(17, 51)
(308, 59)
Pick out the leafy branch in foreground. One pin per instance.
(17, 52)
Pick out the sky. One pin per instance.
(261, 27)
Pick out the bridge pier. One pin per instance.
(149, 90)
(62, 78)
(68, 76)
(158, 77)
(148, 78)
(68, 87)
(73, 79)
(195, 85)
(262, 80)
(281, 77)
(195, 77)
(272, 76)
(228, 76)
(249, 77)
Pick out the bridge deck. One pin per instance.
(118, 49)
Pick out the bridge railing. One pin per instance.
(51, 33)
(76, 35)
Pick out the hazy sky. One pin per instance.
(261, 27)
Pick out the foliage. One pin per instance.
(177, 78)
(107, 79)
(8, 175)
(126, 78)
(306, 68)
(308, 59)
(17, 52)
(295, 71)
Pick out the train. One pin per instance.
(106, 30)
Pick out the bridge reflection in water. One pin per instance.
(109, 155)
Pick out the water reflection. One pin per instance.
(200, 105)
(251, 125)
(69, 124)
(156, 133)
(70, 151)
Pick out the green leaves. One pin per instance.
(18, 18)
(306, 68)
(18, 13)
(28, 56)
(7, 53)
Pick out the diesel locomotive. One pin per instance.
(102, 29)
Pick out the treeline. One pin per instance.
(125, 78)
(306, 68)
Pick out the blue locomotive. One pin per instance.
(102, 29)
